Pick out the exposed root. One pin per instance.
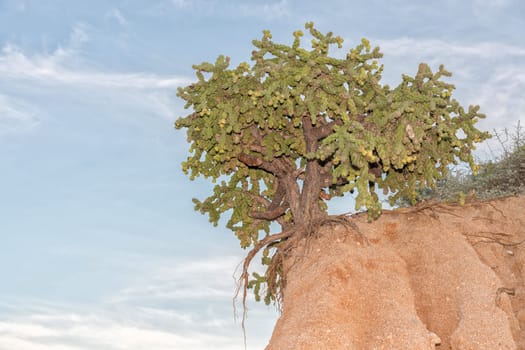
(490, 220)
(446, 210)
(276, 278)
(283, 242)
(245, 276)
(432, 205)
(497, 209)
(488, 238)
(346, 222)
(416, 208)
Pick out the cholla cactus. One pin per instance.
(297, 127)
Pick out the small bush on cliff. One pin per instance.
(502, 176)
(285, 134)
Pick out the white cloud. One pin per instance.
(34, 330)
(144, 318)
(78, 36)
(16, 115)
(502, 94)
(188, 280)
(486, 73)
(116, 15)
(103, 331)
(64, 73)
(52, 70)
(501, 98)
(12, 342)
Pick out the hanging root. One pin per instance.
(487, 238)
(275, 267)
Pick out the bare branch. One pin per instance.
(280, 192)
(274, 167)
(280, 167)
(251, 161)
(259, 199)
(271, 214)
(256, 148)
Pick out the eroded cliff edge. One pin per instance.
(431, 277)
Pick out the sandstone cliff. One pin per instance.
(431, 277)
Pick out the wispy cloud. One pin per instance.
(116, 15)
(65, 72)
(52, 70)
(16, 115)
(486, 73)
(501, 93)
(188, 280)
(75, 331)
(142, 316)
(78, 36)
(501, 98)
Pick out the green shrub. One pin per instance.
(502, 176)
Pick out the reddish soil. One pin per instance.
(431, 277)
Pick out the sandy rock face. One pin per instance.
(440, 277)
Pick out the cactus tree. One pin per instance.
(282, 136)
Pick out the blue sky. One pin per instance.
(101, 248)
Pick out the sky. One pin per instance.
(100, 247)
